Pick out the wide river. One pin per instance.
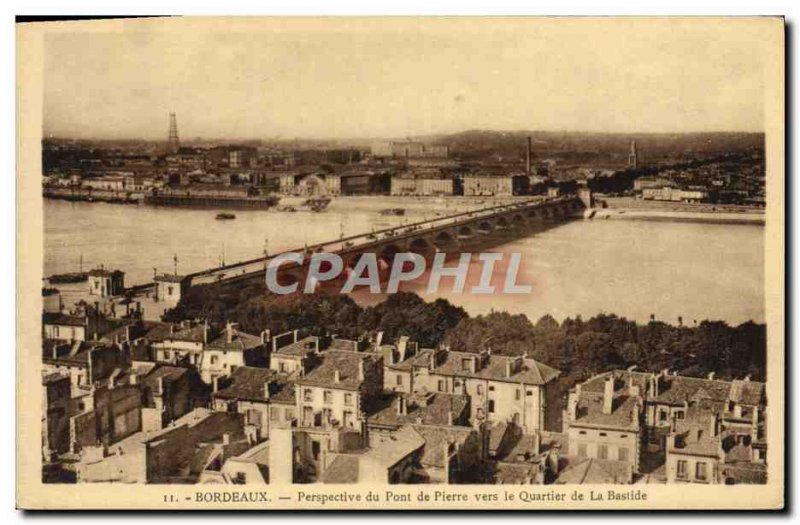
(627, 267)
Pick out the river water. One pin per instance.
(627, 267)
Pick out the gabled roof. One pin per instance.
(240, 341)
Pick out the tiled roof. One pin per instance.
(694, 436)
(343, 469)
(437, 438)
(166, 372)
(595, 471)
(301, 348)
(531, 372)
(176, 332)
(431, 409)
(421, 358)
(389, 450)
(624, 411)
(331, 361)
(675, 390)
(515, 473)
(240, 341)
(247, 383)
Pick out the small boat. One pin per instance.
(225, 216)
(393, 211)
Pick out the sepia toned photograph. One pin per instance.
(401, 263)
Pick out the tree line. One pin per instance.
(577, 347)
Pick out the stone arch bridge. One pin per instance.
(462, 232)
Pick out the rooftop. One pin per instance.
(433, 408)
(346, 363)
(498, 368)
(248, 383)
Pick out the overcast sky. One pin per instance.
(377, 78)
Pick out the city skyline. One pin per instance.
(344, 79)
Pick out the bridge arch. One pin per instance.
(465, 232)
(485, 227)
(445, 241)
(503, 224)
(421, 246)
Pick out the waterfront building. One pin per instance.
(169, 287)
(421, 186)
(105, 282)
(667, 193)
(488, 185)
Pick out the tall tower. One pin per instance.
(172, 140)
(633, 158)
(528, 158)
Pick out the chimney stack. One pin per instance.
(528, 158)
(266, 389)
(336, 376)
(229, 332)
(711, 376)
(361, 369)
(402, 405)
(608, 395)
(226, 438)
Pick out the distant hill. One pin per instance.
(602, 149)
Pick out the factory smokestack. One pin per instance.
(528, 158)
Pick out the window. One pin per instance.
(166, 354)
(582, 432)
(681, 473)
(662, 416)
(327, 397)
(491, 406)
(582, 450)
(679, 414)
(214, 359)
(348, 399)
(315, 450)
(602, 452)
(282, 367)
(273, 414)
(700, 471)
(466, 364)
(603, 434)
(480, 390)
(517, 394)
(399, 380)
(529, 393)
(622, 454)
(240, 479)
(491, 388)
(441, 385)
(308, 395)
